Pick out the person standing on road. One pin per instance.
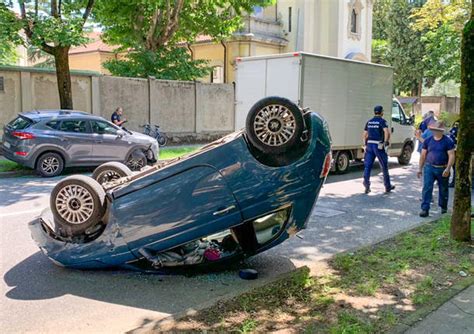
(117, 117)
(376, 139)
(453, 134)
(436, 160)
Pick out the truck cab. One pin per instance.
(402, 140)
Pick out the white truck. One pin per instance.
(343, 91)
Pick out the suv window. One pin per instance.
(103, 128)
(53, 125)
(20, 123)
(73, 126)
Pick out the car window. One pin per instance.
(53, 125)
(20, 123)
(73, 126)
(396, 115)
(269, 226)
(103, 128)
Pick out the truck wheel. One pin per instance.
(405, 157)
(342, 162)
(274, 125)
(110, 171)
(77, 203)
(50, 164)
(136, 160)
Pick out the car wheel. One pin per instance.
(405, 157)
(50, 164)
(275, 125)
(77, 203)
(342, 162)
(110, 171)
(162, 140)
(137, 160)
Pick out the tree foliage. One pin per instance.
(157, 30)
(52, 26)
(405, 48)
(441, 25)
(165, 63)
(9, 39)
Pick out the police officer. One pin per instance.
(376, 139)
(117, 117)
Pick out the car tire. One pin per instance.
(77, 203)
(136, 160)
(275, 125)
(162, 140)
(110, 171)
(405, 157)
(50, 164)
(342, 162)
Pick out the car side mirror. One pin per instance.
(120, 133)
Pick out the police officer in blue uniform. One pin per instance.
(376, 139)
(117, 117)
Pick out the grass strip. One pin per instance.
(372, 290)
(175, 152)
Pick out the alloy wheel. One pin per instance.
(75, 204)
(274, 125)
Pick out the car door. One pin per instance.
(180, 208)
(76, 140)
(108, 145)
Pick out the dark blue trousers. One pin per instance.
(372, 152)
(430, 174)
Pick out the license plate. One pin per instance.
(6, 144)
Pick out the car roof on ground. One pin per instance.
(58, 114)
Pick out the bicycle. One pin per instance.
(155, 132)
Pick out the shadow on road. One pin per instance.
(166, 294)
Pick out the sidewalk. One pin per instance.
(456, 316)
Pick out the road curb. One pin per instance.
(437, 301)
(154, 326)
(12, 174)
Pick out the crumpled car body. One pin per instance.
(225, 186)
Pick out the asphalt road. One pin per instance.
(38, 296)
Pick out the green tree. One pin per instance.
(405, 48)
(9, 39)
(461, 219)
(52, 26)
(152, 30)
(441, 24)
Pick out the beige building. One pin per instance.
(338, 28)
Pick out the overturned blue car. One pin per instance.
(234, 198)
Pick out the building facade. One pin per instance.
(337, 28)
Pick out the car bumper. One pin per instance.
(22, 160)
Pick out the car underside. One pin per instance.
(234, 198)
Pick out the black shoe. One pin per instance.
(387, 190)
(424, 213)
(444, 210)
(367, 190)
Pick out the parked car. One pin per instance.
(50, 140)
(235, 197)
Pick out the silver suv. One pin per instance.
(50, 140)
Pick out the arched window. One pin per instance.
(354, 21)
(354, 15)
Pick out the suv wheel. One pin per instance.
(137, 160)
(50, 164)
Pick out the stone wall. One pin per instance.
(185, 110)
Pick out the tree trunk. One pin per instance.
(461, 219)
(63, 76)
